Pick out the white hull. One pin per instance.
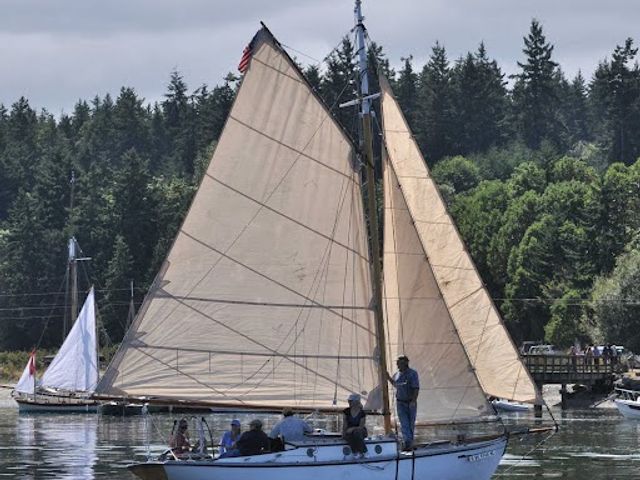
(628, 408)
(444, 461)
(55, 404)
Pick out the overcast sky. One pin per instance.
(56, 52)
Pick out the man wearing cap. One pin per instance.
(230, 437)
(290, 428)
(407, 387)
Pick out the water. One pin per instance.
(592, 444)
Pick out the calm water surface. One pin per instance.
(592, 444)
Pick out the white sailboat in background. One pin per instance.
(271, 296)
(73, 374)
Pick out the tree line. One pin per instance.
(540, 173)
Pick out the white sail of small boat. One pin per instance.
(269, 295)
(27, 383)
(73, 373)
(75, 366)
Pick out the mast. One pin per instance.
(367, 148)
(97, 334)
(73, 267)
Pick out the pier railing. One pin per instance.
(566, 369)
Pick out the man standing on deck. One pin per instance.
(407, 386)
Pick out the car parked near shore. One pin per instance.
(545, 350)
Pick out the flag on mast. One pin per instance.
(246, 56)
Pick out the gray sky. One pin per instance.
(55, 52)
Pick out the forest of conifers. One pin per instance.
(540, 173)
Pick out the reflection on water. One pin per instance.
(591, 444)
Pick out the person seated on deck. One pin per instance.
(354, 430)
(179, 440)
(290, 428)
(230, 437)
(252, 442)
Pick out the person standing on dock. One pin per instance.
(407, 385)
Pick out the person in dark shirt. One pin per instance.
(254, 441)
(354, 430)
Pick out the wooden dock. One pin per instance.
(598, 373)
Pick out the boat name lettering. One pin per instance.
(481, 456)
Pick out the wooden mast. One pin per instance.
(367, 148)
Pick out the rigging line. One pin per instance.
(317, 62)
(526, 454)
(248, 302)
(46, 306)
(44, 328)
(59, 292)
(266, 277)
(283, 215)
(344, 290)
(247, 354)
(34, 317)
(484, 329)
(395, 247)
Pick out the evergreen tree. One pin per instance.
(179, 125)
(406, 91)
(615, 100)
(135, 212)
(314, 77)
(119, 273)
(535, 93)
(130, 124)
(479, 103)
(435, 116)
(339, 85)
(576, 111)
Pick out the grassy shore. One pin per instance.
(11, 365)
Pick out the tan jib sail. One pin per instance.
(438, 310)
(265, 297)
(419, 323)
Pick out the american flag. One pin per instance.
(246, 56)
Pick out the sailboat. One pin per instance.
(72, 376)
(273, 295)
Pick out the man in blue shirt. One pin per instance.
(290, 428)
(407, 387)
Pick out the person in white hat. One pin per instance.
(354, 429)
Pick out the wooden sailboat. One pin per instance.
(272, 297)
(73, 374)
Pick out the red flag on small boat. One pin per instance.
(32, 363)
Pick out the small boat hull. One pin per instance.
(628, 408)
(55, 404)
(507, 406)
(443, 461)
